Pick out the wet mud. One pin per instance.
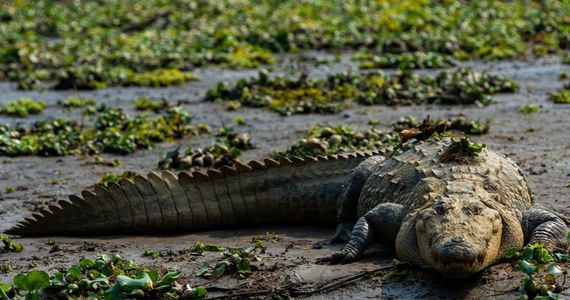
(538, 142)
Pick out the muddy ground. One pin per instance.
(539, 143)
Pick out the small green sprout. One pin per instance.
(76, 102)
(151, 253)
(240, 120)
(562, 97)
(145, 103)
(529, 108)
(10, 189)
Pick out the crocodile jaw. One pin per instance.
(456, 243)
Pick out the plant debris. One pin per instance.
(108, 130)
(461, 150)
(535, 260)
(302, 95)
(224, 151)
(9, 245)
(23, 107)
(413, 60)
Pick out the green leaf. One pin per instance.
(527, 286)
(512, 254)
(527, 267)
(57, 280)
(129, 284)
(203, 269)
(33, 295)
(73, 274)
(568, 236)
(5, 287)
(114, 293)
(168, 278)
(562, 256)
(153, 274)
(197, 293)
(20, 282)
(551, 295)
(220, 268)
(542, 255)
(554, 269)
(528, 252)
(86, 263)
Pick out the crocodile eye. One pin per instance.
(473, 209)
(439, 208)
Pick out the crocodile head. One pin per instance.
(458, 236)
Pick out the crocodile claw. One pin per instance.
(344, 256)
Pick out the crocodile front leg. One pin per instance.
(545, 227)
(381, 224)
(348, 199)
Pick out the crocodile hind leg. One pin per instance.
(348, 199)
(379, 224)
(545, 227)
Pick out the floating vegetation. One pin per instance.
(90, 78)
(47, 40)
(76, 102)
(324, 140)
(161, 77)
(562, 97)
(330, 95)
(144, 103)
(529, 108)
(224, 151)
(107, 130)
(102, 278)
(413, 60)
(23, 107)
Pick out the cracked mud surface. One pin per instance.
(539, 143)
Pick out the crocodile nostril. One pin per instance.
(457, 239)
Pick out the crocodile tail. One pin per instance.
(289, 191)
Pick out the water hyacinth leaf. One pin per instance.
(554, 269)
(220, 268)
(168, 278)
(203, 269)
(86, 263)
(129, 284)
(551, 295)
(527, 286)
(5, 287)
(114, 293)
(197, 293)
(512, 254)
(99, 283)
(57, 279)
(36, 280)
(73, 274)
(562, 256)
(153, 274)
(542, 255)
(528, 252)
(526, 267)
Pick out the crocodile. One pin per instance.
(436, 206)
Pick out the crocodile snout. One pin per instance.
(456, 253)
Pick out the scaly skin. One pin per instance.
(457, 216)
